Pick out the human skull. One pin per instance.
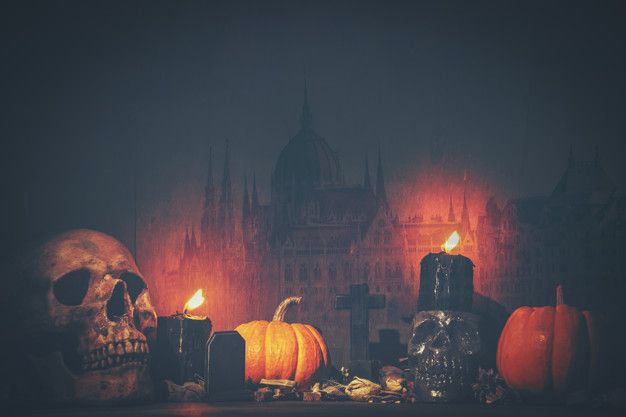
(444, 350)
(86, 316)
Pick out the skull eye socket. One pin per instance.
(134, 284)
(463, 335)
(457, 329)
(71, 288)
(424, 330)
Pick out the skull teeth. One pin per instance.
(128, 352)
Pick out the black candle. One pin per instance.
(444, 320)
(446, 282)
(181, 345)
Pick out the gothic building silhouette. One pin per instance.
(315, 237)
(318, 235)
(574, 236)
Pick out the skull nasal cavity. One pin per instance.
(441, 341)
(116, 306)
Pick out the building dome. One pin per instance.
(307, 160)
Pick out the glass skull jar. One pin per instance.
(444, 353)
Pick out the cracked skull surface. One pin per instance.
(87, 320)
(443, 351)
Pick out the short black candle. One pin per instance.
(181, 347)
(446, 282)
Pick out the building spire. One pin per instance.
(225, 218)
(306, 118)
(366, 176)
(225, 195)
(187, 247)
(465, 222)
(193, 242)
(255, 196)
(208, 214)
(381, 194)
(209, 189)
(451, 216)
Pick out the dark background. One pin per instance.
(105, 101)
(102, 98)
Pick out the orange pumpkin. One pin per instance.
(547, 350)
(279, 350)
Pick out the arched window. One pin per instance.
(387, 270)
(377, 270)
(332, 272)
(398, 271)
(304, 273)
(346, 271)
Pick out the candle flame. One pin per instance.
(452, 242)
(194, 302)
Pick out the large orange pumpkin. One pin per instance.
(279, 350)
(547, 350)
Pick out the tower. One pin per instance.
(451, 216)
(225, 216)
(306, 118)
(207, 223)
(366, 176)
(254, 205)
(381, 194)
(465, 221)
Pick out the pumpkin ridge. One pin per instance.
(568, 358)
(550, 349)
(535, 358)
(281, 349)
(591, 351)
(320, 341)
(550, 372)
(257, 351)
(308, 355)
(514, 329)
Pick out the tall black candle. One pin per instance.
(181, 345)
(446, 282)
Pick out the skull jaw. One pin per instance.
(431, 389)
(444, 372)
(443, 380)
(440, 395)
(119, 385)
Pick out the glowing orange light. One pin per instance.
(452, 242)
(194, 302)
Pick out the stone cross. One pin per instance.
(359, 302)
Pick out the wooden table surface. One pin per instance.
(310, 409)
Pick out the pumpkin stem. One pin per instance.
(279, 314)
(559, 295)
